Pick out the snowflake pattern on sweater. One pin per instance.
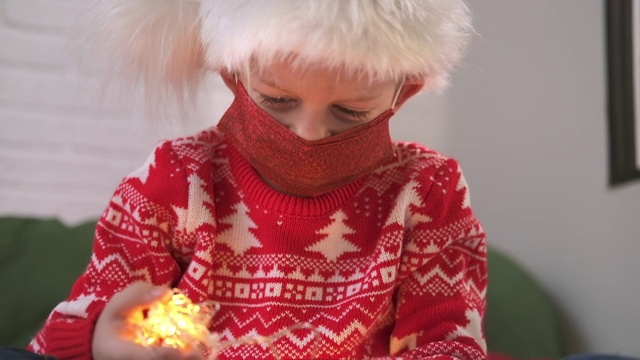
(392, 265)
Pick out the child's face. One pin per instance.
(315, 102)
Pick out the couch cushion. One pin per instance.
(39, 261)
(521, 319)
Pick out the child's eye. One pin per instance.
(274, 101)
(358, 115)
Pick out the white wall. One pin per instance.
(526, 118)
(63, 147)
(528, 122)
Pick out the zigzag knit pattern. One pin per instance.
(393, 265)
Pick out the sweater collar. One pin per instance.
(257, 191)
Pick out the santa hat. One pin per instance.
(169, 44)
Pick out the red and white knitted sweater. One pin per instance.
(393, 264)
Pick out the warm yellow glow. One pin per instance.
(176, 323)
(181, 324)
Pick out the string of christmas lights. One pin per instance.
(179, 323)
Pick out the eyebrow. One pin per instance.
(270, 83)
(364, 98)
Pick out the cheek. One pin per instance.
(280, 116)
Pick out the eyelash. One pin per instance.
(359, 115)
(281, 102)
(273, 101)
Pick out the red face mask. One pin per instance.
(302, 167)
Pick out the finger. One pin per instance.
(193, 355)
(107, 346)
(167, 353)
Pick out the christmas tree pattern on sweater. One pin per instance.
(390, 265)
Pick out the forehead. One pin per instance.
(290, 76)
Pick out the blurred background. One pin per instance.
(526, 116)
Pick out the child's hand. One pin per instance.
(111, 339)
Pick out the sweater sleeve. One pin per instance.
(133, 241)
(441, 298)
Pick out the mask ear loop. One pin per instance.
(397, 94)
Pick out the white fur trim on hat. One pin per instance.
(153, 43)
(167, 44)
(382, 39)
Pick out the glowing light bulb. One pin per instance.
(176, 323)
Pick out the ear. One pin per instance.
(408, 90)
(229, 80)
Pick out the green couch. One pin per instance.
(40, 259)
